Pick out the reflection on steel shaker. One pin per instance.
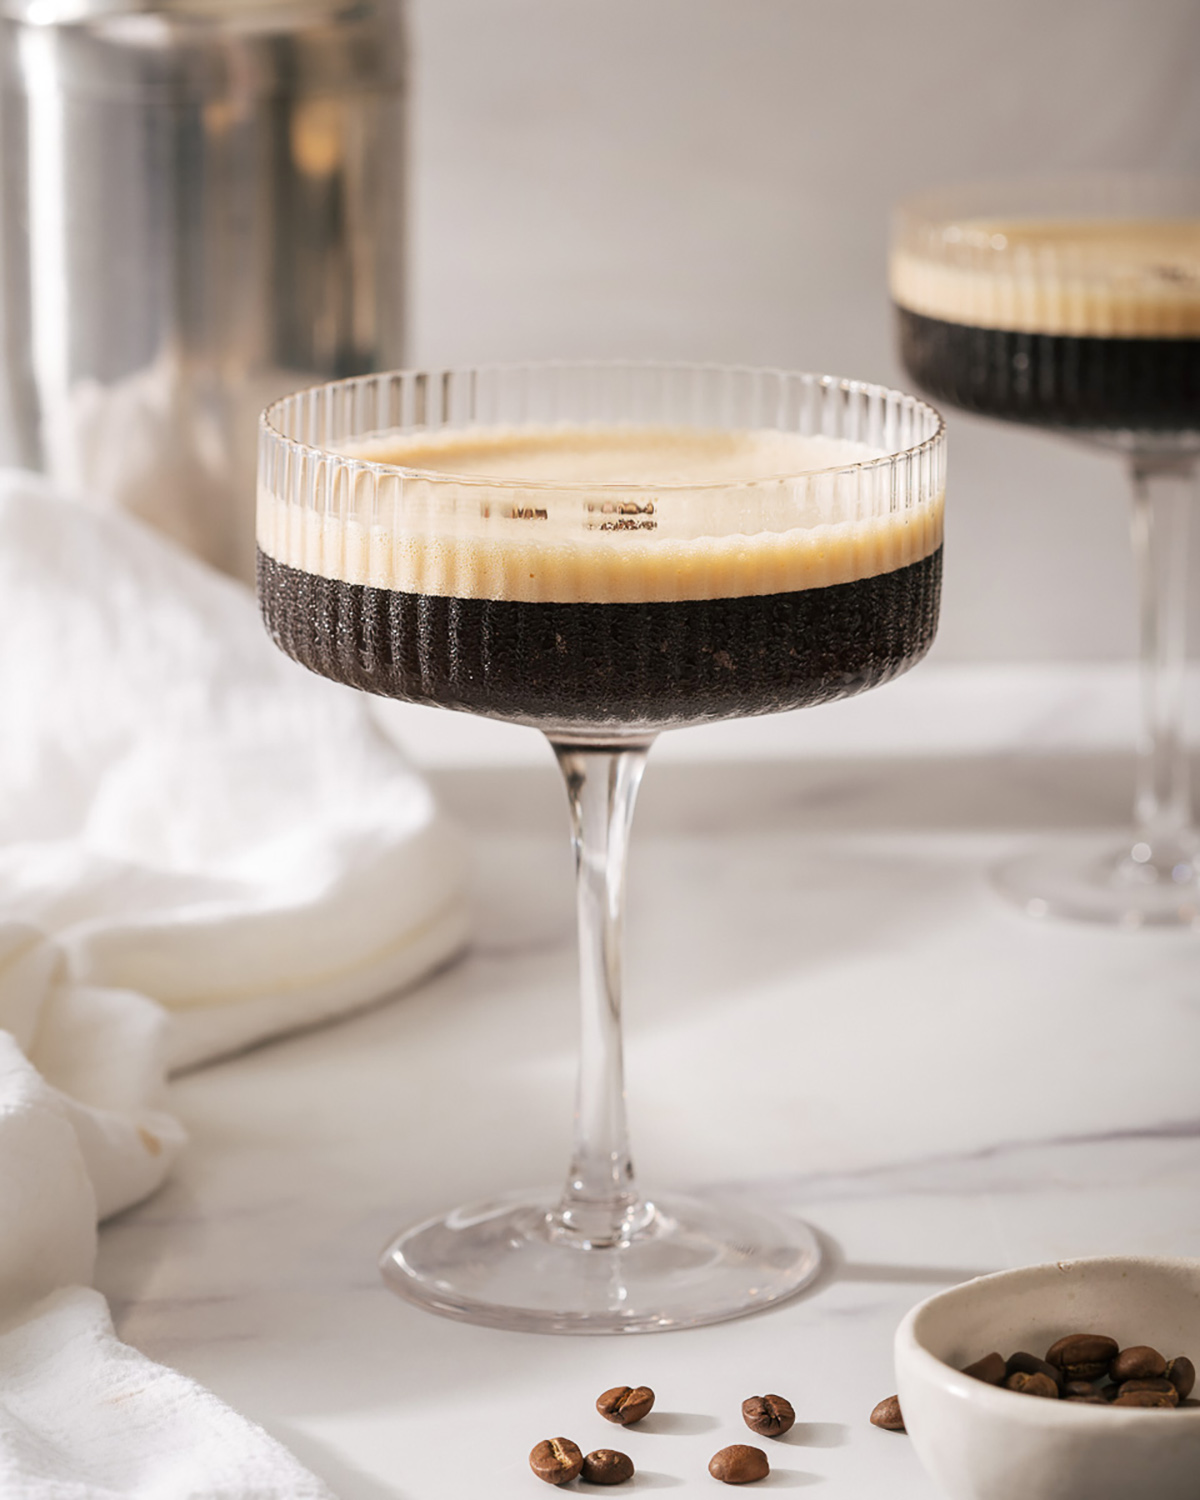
(203, 205)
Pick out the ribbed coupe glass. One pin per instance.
(1075, 305)
(602, 552)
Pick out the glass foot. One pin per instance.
(509, 1263)
(1093, 880)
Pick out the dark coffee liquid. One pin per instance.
(587, 668)
(1055, 379)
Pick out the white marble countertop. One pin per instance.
(826, 1004)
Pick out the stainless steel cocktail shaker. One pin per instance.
(202, 209)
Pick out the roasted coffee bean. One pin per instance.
(1086, 1400)
(606, 1466)
(769, 1416)
(556, 1460)
(1137, 1363)
(1147, 1398)
(1155, 1387)
(1036, 1384)
(888, 1415)
(739, 1464)
(1181, 1372)
(625, 1404)
(1022, 1363)
(1078, 1389)
(1083, 1356)
(991, 1369)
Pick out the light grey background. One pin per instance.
(712, 179)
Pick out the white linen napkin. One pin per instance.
(82, 1416)
(193, 815)
(200, 845)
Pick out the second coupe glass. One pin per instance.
(1075, 305)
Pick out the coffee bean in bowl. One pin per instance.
(980, 1441)
(991, 1369)
(1023, 1363)
(1095, 1373)
(1181, 1372)
(1082, 1356)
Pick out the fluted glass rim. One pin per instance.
(271, 431)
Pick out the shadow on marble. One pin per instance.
(652, 1479)
(835, 1267)
(817, 1435)
(708, 917)
(678, 1423)
(1007, 791)
(136, 1251)
(789, 1479)
(908, 1275)
(798, 859)
(346, 1482)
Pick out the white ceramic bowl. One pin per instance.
(981, 1442)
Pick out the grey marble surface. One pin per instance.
(827, 1006)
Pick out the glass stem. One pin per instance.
(1164, 490)
(600, 1205)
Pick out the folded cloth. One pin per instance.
(200, 845)
(84, 1417)
(83, 1134)
(194, 816)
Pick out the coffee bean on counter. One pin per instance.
(1023, 1363)
(1161, 1387)
(1036, 1384)
(769, 1416)
(888, 1415)
(1147, 1398)
(1137, 1363)
(739, 1464)
(991, 1369)
(1181, 1372)
(1083, 1356)
(625, 1404)
(606, 1466)
(556, 1460)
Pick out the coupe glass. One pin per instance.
(1075, 305)
(600, 602)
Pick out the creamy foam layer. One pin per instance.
(520, 515)
(1101, 278)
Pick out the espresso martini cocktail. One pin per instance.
(1075, 306)
(1090, 324)
(602, 553)
(606, 597)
